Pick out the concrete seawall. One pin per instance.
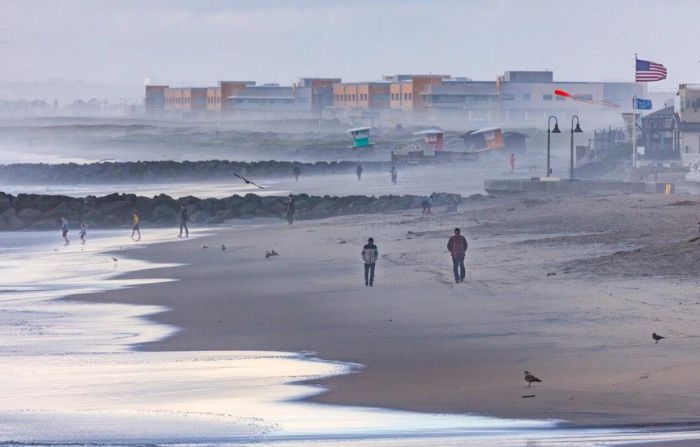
(555, 186)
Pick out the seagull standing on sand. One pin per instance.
(248, 182)
(223, 247)
(656, 337)
(531, 378)
(269, 254)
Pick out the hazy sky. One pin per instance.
(200, 42)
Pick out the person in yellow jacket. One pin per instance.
(135, 230)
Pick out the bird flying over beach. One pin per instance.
(531, 378)
(656, 337)
(248, 182)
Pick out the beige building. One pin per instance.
(687, 107)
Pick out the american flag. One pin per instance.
(649, 71)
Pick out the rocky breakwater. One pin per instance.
(42, 212)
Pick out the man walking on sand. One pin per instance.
(369, 254)
(135, 222)
(64, 230)
(512, 163)
(184, 218)
(457, 246)
(358, 171)
(290, 209)
(394, 175)
(83, 232)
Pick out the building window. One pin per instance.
(526, 96)
(546, 97)
(507, 96)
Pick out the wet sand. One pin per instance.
(568, 288)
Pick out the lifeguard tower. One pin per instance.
(360, 137)
(434, 139)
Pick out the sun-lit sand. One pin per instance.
(568, 288)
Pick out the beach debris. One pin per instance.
(656, 337)
(531, 378)
(269, 254)
(551, 274)
(205, 246)
(248, 182)
(683, 203)
(343, 242)
(527, 396)
(223, 247)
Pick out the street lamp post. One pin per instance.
(573, 130)
(549, 132)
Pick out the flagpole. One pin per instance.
(634, 116)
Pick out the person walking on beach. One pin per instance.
(83, 232)
(297, 173)
(457, 246)
(135, 230)
(512, 163)
(64, 230)
(358, 171)
(369, 254)
(426, 204)
(184, 218)
(394, 175)
(290, 209)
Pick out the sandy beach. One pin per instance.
(570, 288)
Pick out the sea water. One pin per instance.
(69, 374)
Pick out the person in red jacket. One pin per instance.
(457, 246)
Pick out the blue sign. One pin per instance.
(642, 104)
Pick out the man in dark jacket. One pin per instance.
(369, 254)
(290, 209)
(457, 246)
